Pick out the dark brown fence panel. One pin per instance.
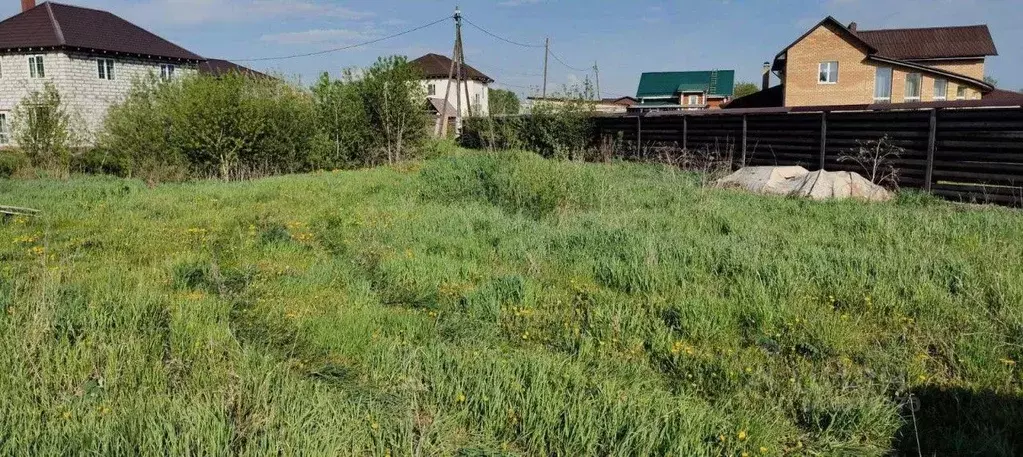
(783, 139)
(717, 135)
(979, 156)
(848, 132)
(972, 154)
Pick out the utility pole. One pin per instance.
(596, 74)
(546, 54)
(455, 71)
(458, 70)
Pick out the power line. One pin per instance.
(342, 48)
(558, 59)
(516, 43)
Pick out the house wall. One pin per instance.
(479, 95)
(856, 75)
(76, 77)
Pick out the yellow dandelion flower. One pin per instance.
(763, 450)
(461, 397)
(742, 435)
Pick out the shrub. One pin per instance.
(230, 126)
(556, 130)
(11, 160)
(45, 130)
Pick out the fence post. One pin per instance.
(932, 140)
(824, 136)
(639, 135)
(685, 132)
(743, 163)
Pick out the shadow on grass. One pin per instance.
(963, 422)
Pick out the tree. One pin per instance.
(44, 129)
(395, 102)
(503, 102)
(343, 120)
(744, 88)
(991, 80)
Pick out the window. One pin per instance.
(36, 69)
(883, 84)
(431, 89)
(105, 68)
(1, 71)
(166, 71)
(940, 89)
(694, 100)
(5, 134)
(912, 86)
(961, 93)
(828, 73)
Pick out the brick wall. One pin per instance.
(76, 77)
(856, 75)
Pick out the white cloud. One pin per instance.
(321, 36)
(191, 12)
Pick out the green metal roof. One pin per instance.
(670, 83)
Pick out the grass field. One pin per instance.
(482, 305)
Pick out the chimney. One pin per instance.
(767, 76)
(27, 5)
(852, 26)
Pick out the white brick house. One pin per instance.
(91, 57)
(436, 68)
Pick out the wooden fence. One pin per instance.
(971, 155)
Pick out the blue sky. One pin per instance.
(625, 38)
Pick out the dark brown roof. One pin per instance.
(55, 25)
(931, 43)
(217, 67)
(770, 98)
(436, 66)
(1006, 97)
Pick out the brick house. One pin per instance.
(90, 56)
(684, 90)
(835, 64)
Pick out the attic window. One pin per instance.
(105, 67)
(828, 73)
(36, 69)
(431, 89)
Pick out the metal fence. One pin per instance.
(963, 154)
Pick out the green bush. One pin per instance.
(230, 126)
(554, 131)
(11, 160)
(45, 129)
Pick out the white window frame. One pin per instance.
(167, 71)
(105, 69)
(5, 129)
(694, 100)
(944, 93)
(829, 68)
(919, 87)
(36, 66)
(961, 93)
(431, 89)
(891, 83)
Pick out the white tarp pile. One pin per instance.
(799, 182)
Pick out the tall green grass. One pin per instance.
(503, 305)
